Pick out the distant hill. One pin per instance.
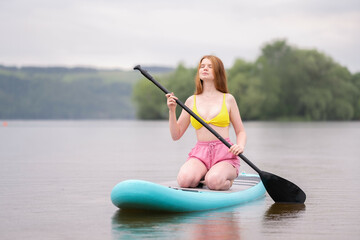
(32, 69)
(68, 93)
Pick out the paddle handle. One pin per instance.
(148, 76)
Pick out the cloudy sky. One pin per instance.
(124, 33)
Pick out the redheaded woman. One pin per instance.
(210, 159)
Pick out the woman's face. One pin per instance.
(206, 71)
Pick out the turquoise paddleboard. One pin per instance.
(169, 197)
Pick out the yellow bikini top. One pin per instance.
(221, 120)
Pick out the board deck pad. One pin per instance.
(242, 182)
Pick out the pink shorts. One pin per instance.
(213, 152)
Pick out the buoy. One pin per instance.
(5, 124)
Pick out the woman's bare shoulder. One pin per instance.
(229, 97)
(231, 101)
(189, 101)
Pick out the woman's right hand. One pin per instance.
(171, 101)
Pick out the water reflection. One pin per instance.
(219, 224)
(281, 211)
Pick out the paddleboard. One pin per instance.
(169, 197)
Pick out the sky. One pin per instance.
(124, 33)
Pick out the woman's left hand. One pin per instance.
(236, 149)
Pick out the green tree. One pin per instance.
(149, 100)
(356, 81)
(245, 87)
(307, 84)
(182, 83)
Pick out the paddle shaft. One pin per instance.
(217, 135)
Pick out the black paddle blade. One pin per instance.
(282, 190)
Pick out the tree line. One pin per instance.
(283, 83)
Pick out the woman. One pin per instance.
(210, 158)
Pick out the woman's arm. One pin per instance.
(177, 127)
(239, 129)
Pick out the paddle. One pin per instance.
(279, 189)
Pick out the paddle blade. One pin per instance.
(282, 190)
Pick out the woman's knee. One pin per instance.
(215, 181)
(186, 180)
(191, 173)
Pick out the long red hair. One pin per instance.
(219, 75)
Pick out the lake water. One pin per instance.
(56, 178)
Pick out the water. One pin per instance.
(56, 178)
